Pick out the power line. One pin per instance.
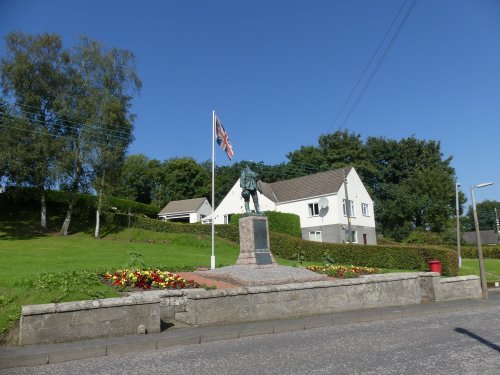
(14, 108)
(375, 70)
(100, 142)
(86, 127)
(377, 66)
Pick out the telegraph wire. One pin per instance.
(367, 66)
(377, 66)
(379, 63)
(14, 108)
(86, 127)
(96, 140)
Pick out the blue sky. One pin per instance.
(278, 72)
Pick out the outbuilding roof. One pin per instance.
(182, 206)
(488, 237)
(314, 185)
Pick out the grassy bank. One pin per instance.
(44, 268)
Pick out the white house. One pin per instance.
(187, 210)
(319, 201)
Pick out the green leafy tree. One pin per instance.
(69, 122)
(184, 178)
(485, 215)
(410, 181)
(94, 109)
(31, 73)
(136, 179)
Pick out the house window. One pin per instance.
(313, 209)
(354, 236)
(352, 212)
(227, 218)
(365, 209)
(315, 236)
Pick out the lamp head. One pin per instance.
(478, 186)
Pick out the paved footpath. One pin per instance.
(54, 353)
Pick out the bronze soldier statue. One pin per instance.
(249, 182)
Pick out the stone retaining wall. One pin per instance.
(69, 321)
(296, 300)
(63, 322)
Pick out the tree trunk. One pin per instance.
(98, 211)
(43, 212)
(97, 222)
(72, 199)
(67, 220)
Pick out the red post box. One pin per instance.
(435, 266)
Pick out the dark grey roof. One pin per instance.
(488, 237)
(314, 185)
(184, 206)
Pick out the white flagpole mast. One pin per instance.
(212, 258)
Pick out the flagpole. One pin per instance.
(212, 258)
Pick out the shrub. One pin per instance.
(229, 232)
(85, 203)
(490, 252)
(287, 247)
(279, 222)
(382, 256)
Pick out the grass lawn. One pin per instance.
(49, 268)
(43, 268)
(492, 267)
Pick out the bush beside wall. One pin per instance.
(288, 247)
(490, 252)
(85, 203)
(392, 257)
(279, 222)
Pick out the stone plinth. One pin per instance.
(254, 243)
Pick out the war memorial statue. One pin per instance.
(250, 183)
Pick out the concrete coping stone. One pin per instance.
(46, 308)
(151, 297)
(159, 293)
(77, 305)
(455, 279)
(205, 294)
(51, 308)
(188, 292)
(428, 274)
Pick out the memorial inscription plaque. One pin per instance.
(254, 242)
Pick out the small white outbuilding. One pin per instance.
(187, 210)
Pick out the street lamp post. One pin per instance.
(457, 185)
(482, 272)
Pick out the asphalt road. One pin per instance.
(465, 342)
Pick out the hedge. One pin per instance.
(380, 256)
(288, 247)
(279, 222)
(489, 252)
(85, 203)
(229, 232)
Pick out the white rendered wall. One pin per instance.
(233, 203)
(357, 193)
(205, 210)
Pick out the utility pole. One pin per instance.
(457, 205)
(498, 226)
(347, 208)
(482, 271)
(129, 215)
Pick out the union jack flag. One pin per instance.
(223, 139)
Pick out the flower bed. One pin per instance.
(342, 271)
(147, 279)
